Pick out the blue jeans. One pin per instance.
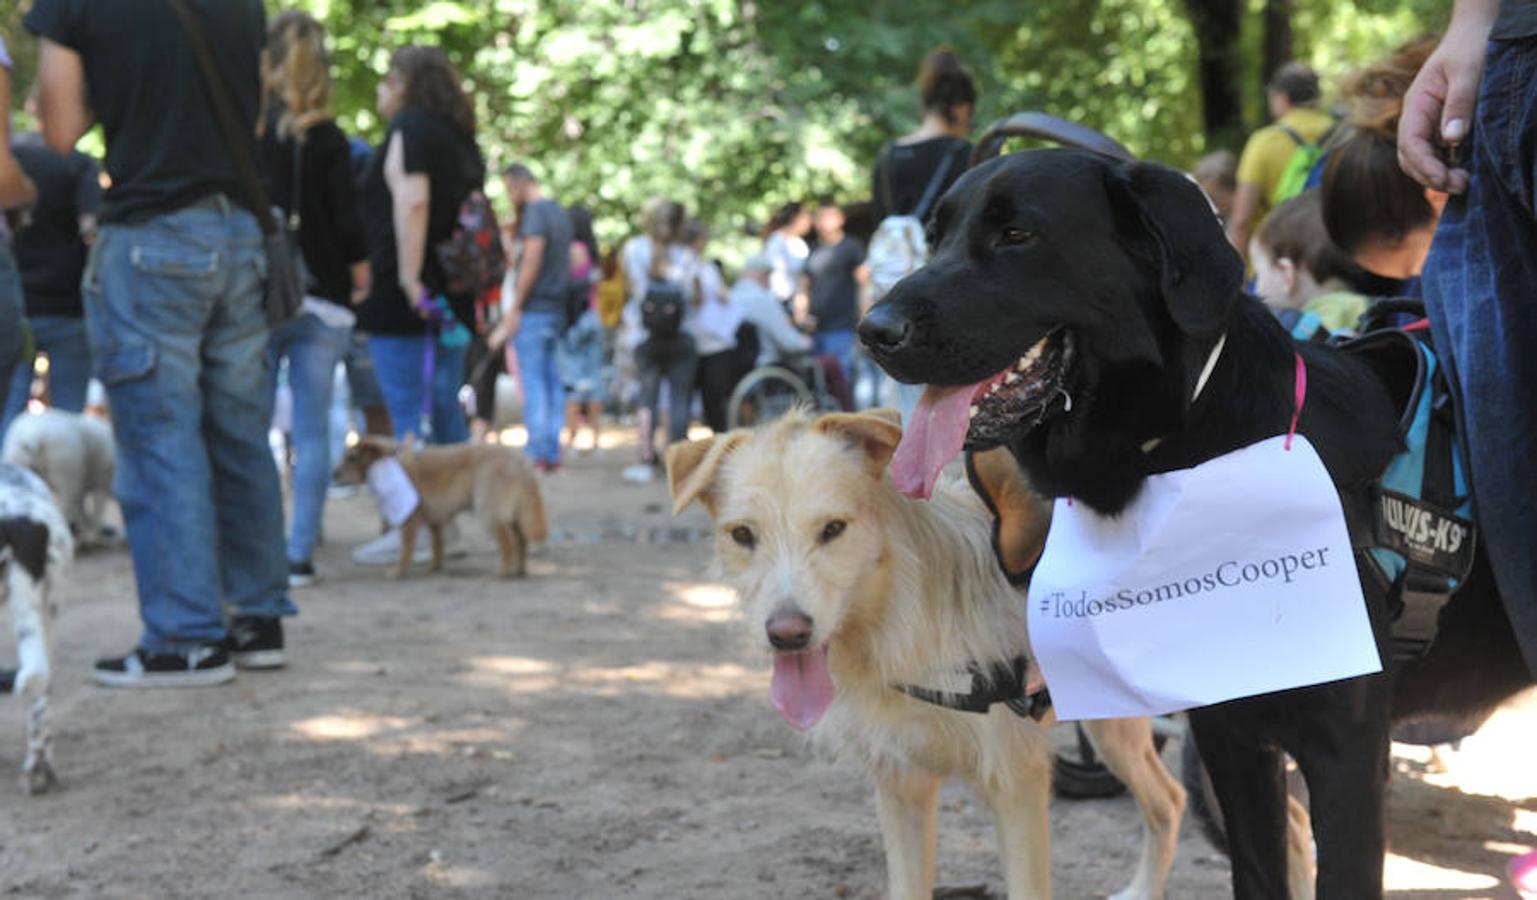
(839, 344)
(10, 317)
(544, 394)
(174, 314)
(312, 349)
(398, 363)
(1480, 284)
(69, 367)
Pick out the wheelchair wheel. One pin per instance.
(764, 395)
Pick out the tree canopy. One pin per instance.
(735, 106)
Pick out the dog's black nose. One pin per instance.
(788, 630)
(884, 328)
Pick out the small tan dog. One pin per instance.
(861, 590)
(496, 482)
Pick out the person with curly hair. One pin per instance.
(427, 166)
(307, 164)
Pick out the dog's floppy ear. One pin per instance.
(693, 465)
(1020, 517)
(1200, 274)
(877, 432)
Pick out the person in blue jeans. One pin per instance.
(307, 163)
(536, 317)
(1478, 93)
(834, 273)
(50, 254)
(16, 190)
(175, 315)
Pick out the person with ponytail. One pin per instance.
(1470, 128)
(1376, 214)
(660, 256)
(913, 171)
(307, 165)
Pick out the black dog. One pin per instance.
(1103, 289)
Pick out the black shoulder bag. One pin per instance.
(285, 269)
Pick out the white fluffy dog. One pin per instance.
(863, 595)
(75, 455)
(35, 548)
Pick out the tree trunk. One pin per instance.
(1219, 69)
(1277, 41)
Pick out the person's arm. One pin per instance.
(16, 189)
(410, 194)
(528, 272)
(1439, 104)
(62, 110)
(1240, 222)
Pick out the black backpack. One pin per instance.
(661, 309)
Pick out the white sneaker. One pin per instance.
(384, 550)
(640, 473)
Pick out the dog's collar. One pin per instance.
(997, 683)
(1200, 384)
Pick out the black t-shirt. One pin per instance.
(330, 216)
(49, 251)
(164, 147)
(834, 289)
(903, 172)
(1518, 19)
(454, 167)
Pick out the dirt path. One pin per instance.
(598, 730)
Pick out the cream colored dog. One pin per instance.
(75, 455)
(860, 590)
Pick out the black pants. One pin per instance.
(718, 377)
(483, 366)
(673, 359)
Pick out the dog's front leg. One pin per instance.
(437, 547)
(29, 621)
(1250, 784)
(908, 805)
(1126, 746)
(1022, 818)
(1345, 762)
(407, 544)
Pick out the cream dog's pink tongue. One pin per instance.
(934, 436)
(802, 688)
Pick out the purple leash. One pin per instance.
(429, 364)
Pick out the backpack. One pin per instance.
(1423, 534)
(898, 247)
(1299, 168)
(471, 256)
(661, 309)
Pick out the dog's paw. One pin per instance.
(37, 777)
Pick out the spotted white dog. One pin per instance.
(35, 548)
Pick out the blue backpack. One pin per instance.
(1423, 534)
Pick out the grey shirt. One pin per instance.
(544, 218)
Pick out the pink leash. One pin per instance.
(1301, 396)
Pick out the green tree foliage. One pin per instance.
(735, 106)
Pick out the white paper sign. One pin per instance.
(1227, 580)
(393, 490)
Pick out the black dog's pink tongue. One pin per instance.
(934, 436)
(802, 688)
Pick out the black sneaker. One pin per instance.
(207, 665)
(301, 574)
(7, 681)
(256, 642)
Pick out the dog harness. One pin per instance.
(1002, 682)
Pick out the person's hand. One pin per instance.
(505, 329)
(359, 295)
(415, 295)
(1438, 109)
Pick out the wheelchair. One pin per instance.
(770, 391)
